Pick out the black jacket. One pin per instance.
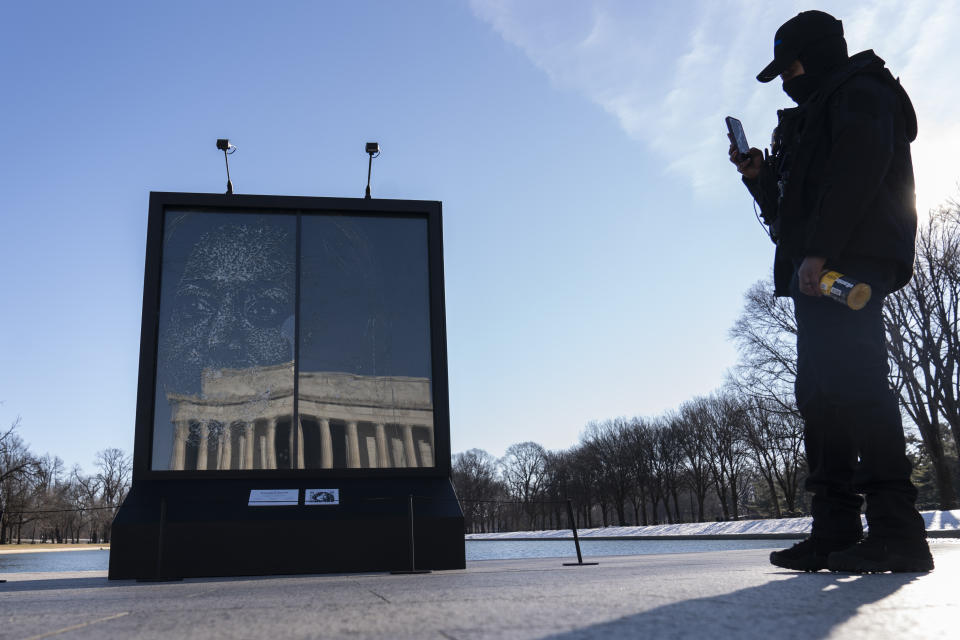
(845, 174)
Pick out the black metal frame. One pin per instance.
(200, 523)
(160, 202)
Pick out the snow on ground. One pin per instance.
(935, 521)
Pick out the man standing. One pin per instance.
(837, 192)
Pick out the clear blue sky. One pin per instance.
(597, 242)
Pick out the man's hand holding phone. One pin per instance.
(748, 165)
(747, 159)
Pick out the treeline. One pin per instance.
(739, 452)
(717, 457)
(40, 500)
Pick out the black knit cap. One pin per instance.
(795, 35)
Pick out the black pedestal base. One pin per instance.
(208, 529)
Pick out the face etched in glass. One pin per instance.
(225, 346)
(233, 304)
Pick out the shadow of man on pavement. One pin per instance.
(805, 605)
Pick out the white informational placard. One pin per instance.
(273, 497)
(324, 497)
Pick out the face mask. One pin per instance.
(801, 87)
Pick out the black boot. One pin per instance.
(878, 555)
(810, 554)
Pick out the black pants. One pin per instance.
(853, 430)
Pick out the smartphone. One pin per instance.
(739, 138)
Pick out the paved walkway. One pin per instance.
(719, 594)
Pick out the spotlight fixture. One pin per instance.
(373, 149)
(224, 145)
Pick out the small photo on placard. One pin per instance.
(273, 497)
(323, 497)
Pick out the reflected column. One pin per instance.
(426, 453)
(292, 445)
(326, 444)
(179, 456)
(426, 447)
(353, 445)
(226, 453)
(271, 451)
(202, 450)
(300, 443)
(396, 450)
(408, 448)
(248, 445)
(383, 456)
(218, 456)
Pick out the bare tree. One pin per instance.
(609, 442)
(774, 441)
(556, 489)
(921, 324)
(86, 497)
(939, 252)
(17, 468)
(766, 337)
(917, 384)
(648, 485)
(474, 475)
(113, 475)
(522, 467)
(668, 465)
(728, 452)
(583, 482)
(692, 428)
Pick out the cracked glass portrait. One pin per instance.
(264, 363)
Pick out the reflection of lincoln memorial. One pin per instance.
(243, 419)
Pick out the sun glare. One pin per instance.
(936, 171)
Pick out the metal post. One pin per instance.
(163, 525)
(369, 169)
(413, 548)
(576, 539)
(229, 183)
(413, 563)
